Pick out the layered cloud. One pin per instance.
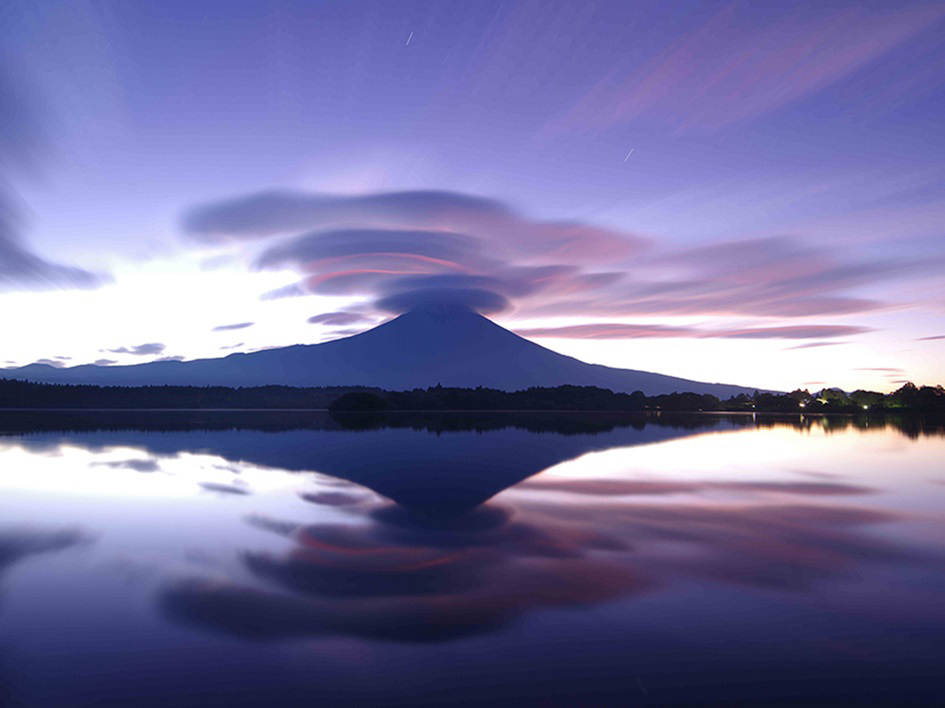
(277, 212)
(404, 250)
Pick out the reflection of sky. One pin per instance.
(814, 128)
(793, 556)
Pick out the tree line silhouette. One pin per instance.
(25, 394)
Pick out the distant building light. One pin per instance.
(865, 407)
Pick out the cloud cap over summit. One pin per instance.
(388, 244)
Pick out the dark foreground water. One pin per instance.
(296, 559)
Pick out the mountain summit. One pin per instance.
(420, 348)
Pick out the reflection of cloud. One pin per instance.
(405, 575)
(334, 498)
(221, 488)
(788, 547)
(616, 487)
(411, 579)
(137, 465)
(17, 544)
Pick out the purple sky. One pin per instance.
(741, 192)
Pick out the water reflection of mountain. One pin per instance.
(435, 461)
(446, 563)
(442, 462)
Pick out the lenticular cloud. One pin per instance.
(409, 249)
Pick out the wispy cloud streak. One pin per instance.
(741, 65)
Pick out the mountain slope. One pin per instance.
(418, 349)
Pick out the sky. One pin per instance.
(744, 192)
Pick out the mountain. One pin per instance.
(418, 349)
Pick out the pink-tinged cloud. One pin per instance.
(381, 259)
(398, 577)
(625, 487)
(769, 277)
(736, 68)
(792, 332)
(631, 331)
(372, 244)
(608, 331)
(383, 245)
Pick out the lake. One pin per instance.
(273, 558)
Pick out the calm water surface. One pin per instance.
(290, 559)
